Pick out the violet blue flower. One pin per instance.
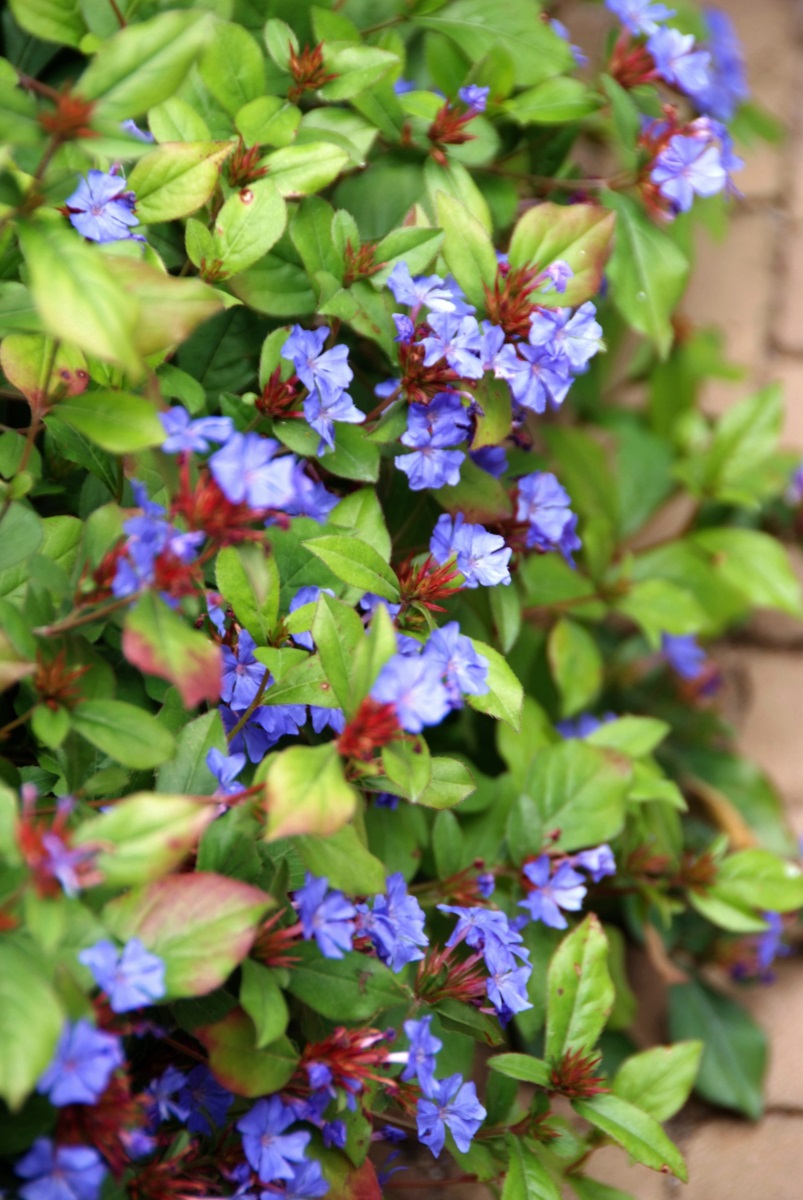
(413, 686)
(161, 1105)
(533, 375)
(688, 167)
(102, 210)
(130, 126)
(683, 654)
(226, 768)
(462, 670)
(458, 340)
(322, 409)
(206, 1101)
(185, 436)
(639, 16)
(507, 984)
(425, 290)
(395, 924)
(449, 1104)
(727, 86)
(325, 915)
(583, 726)
(405, 328)
(474, 97)
(431, 468)
(552, 893)
(482, 928)
(678, 61)
(573, 338)
(442, 422)
(482, 557)
(598, 862)
(271, 1151)
(242, 674)
(424, 1047)
(60, 1172)
(307, 1181)
(131, 977)
(324, 371)
(266, 725)
(247, 471)
(491, 459)
(543, 504)
(557, 275)
(83, 1063)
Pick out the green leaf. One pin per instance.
(268, 121)
(553, 102)
(233, 67)
(659, 1080)
(177, 121)
(755, 564)
(447, 845)
(168, 308)
(634, 736)
(362, 513)
(576, 665)
(505, 696)
(30, 1023)
(281, 41)
(144, 836)
(306, 792)
(159, 642)
(299, 170)
(311, 234)
(455, 181)
(238, 1060)
(51, 20)
(580, 792)
(734, 1046)
(580, 234)
(126, 733)
(356, 563)
(467, 248)
(201, 925)
(659, 607)
(248, 580)
(353, 988)
(116, 421)
(21, 533)
(263, 1001)
(144, 64)
(581, 993)
(373, 652)
(450, 782)
(760, 879)
(187, 772)
(647, 272)
(176, 179)
(527, 1178)
(409, 768)
(356, 67)
(336, 632)
(248, 224)
(77, 296)
(478, 26)
(344, 860)
(639, 1133)
(522, 1067)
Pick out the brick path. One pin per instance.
(751, 286)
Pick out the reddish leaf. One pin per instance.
(27, 358)
(356, 1183)
(158, 641)
(236, 1061)
(201, 925)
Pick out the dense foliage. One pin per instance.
(354, 719)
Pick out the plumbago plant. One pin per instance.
(325, 530)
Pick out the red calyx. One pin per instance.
(372, 726)
(574, 1075)
(308, 71)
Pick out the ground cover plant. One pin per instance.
(356, 710)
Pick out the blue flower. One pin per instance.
(131, 977)
(185, 436)
(159, 1096)
(335, 1134)
(326, 915)
(270, 1151)
(769, 945)
(563, 890)
(686, 167)
(560, 29)
(413, 686)
(507, 984)
(482, 557)
(598, 862)
(462, 669)
(247, 471)
(60, 1172)
(683, 654)
(475, 97)
(492, 340)
(486, 885)
(102, 210)
(534, 376)
(225, 769)
(324, 371)
(458, 340)
(557, 274)
(424, 1046)
(431, 468)
(242, 674)
(678, 62)
(482, 928)
(544, 506)
(307, 1181)
(449, 1104)
(405, 328)
(266, 725)
(573, 338)
(727, 86)
(395, 925)
(322, 409)
(442, 422)
(130, 126)
(584, 725)
(639, 16)
(311, 498)
(492, 459)
(428, 290)
(205, 1100)
(84, 1061)
(327, 718)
